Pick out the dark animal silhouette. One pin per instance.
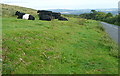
(45, 12)
(49, 15)
(45, 15)
(24, 16)
(62, 18)
(56, 15)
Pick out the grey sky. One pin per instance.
(64, 4)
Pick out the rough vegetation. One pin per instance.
(77, 46)
(9, 11)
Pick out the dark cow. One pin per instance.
(56, 15)
(62, 18)
(45, 15)
(44, 12)
(24, 16)
(49, 15)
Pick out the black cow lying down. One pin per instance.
(45, 15)
(56, 15)
(45, 12)
(24, 16)
(49, 15)
(62, 18)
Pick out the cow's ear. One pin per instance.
(38, 11)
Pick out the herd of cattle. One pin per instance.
(43, 15)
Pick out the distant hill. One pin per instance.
(114, 11)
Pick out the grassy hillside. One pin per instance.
(9, 10)
(77, 46)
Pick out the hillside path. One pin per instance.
(112, 30)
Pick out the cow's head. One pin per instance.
(17, 12)
(38, 11)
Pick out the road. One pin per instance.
(112, 30)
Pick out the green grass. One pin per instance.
(57, 47)
(77, 46)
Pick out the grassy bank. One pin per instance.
(77, 46)
(9, 10)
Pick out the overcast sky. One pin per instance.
(64, 4)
